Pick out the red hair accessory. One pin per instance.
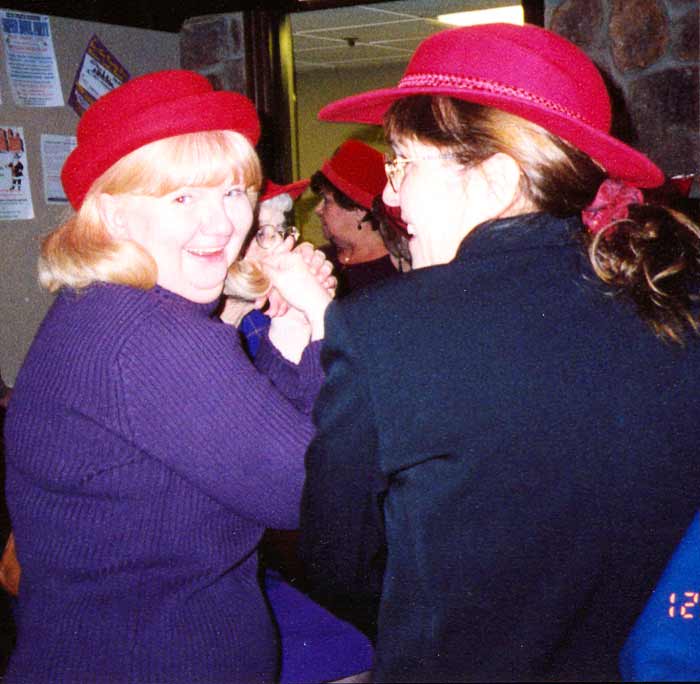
(610, 206)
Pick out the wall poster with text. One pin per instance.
(98, 73)
(15, 190)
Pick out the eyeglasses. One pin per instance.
(395, 167)
(269, 236)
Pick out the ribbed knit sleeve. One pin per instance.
(299, 383)
(146, 456)
(192, 400)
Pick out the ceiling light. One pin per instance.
(513, 14)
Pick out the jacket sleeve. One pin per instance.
(342, 538)
(665, 642)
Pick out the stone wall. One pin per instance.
(648, 52)
(214, 45)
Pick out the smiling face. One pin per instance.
(440, 201)
(193, 234)
(187, 202)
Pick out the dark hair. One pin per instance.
(320, 185)
(653, 258)
(392, 232)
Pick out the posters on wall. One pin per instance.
(15, 190)
(34, 80)
(98, 73)
(54, 150)
(30, 59)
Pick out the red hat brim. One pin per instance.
(524, 70)
(294, 190)
(618, 159)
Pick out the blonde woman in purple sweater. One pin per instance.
(145, 454)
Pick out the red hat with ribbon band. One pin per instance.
(271, 189)
(524, 70)
(357, 170)
(145, 109)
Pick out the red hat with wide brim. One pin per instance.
(159, 105)
(357, 170)
(523, 70)
(271, 189)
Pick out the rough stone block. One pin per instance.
(204, 41)
(686, 36)
(664, 106)
(639, 33)
(580, 21)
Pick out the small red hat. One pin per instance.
(524, 70)
(145, 109)
(271, 189)
(357, 170)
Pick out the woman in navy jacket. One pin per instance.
(507, 435)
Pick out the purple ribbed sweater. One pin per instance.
(145, 457)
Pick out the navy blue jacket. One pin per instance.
(522, 444)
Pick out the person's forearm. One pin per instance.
(290, 336)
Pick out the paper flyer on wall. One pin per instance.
(30, 59)
(54, 150)
(15, 190)
(98, 73)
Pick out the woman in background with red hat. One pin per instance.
(507, 435)
(271, 228)
(145, 454)
(347, 184)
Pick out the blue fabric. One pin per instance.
(316, 645)
(253, 328)
(665, 642)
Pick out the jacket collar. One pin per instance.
(527, 231)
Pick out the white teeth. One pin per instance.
(204, 252)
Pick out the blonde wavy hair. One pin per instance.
(81, 250)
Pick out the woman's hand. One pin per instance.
(319, 266)
(303, 278)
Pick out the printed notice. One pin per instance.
(98, 73)
(54, 150)
(30, 59)
(15, 190)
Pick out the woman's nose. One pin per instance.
(215, 220)
(390, 196)
(319, 207)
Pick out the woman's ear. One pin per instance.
(112, 216)
(360, 215)
(502, 175)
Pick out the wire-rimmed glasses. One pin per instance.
(269, 236)
(395, 167)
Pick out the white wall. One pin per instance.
(22, 302)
